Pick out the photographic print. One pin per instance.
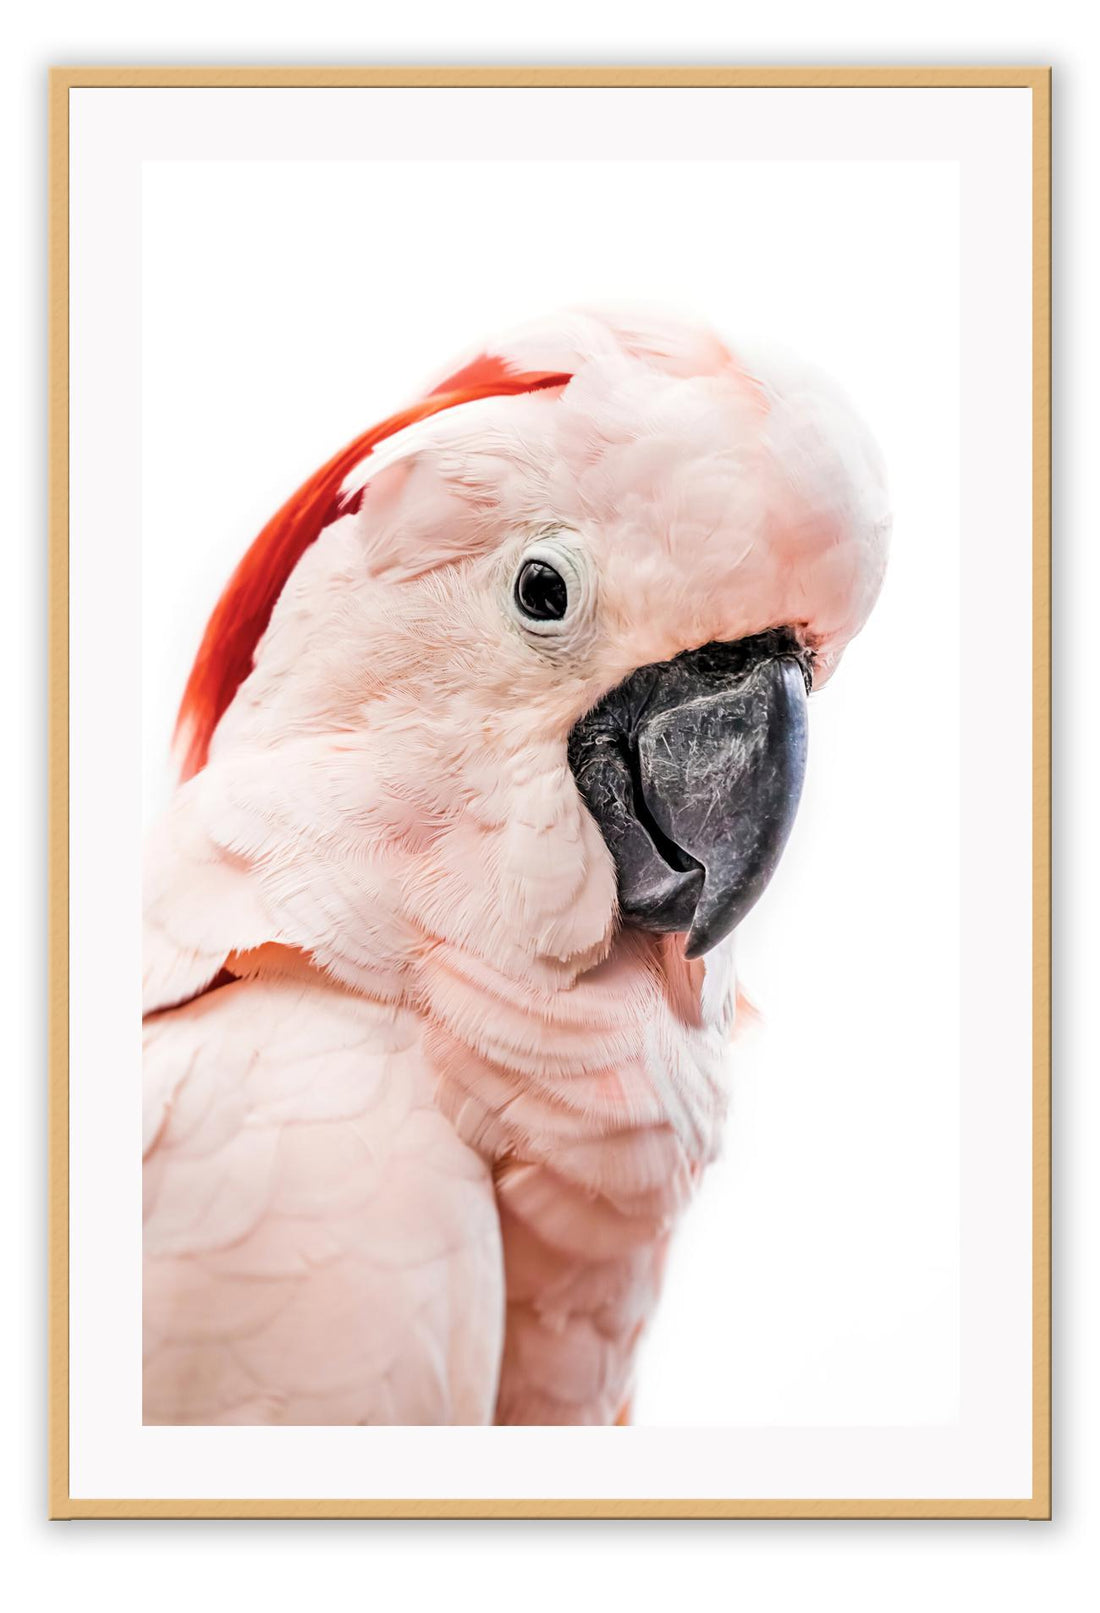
(558, 979)
(487, 751)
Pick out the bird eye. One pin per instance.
(541, 592)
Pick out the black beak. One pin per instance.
(693, 769)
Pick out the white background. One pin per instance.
(853, 1565)
(830, 1446)
(817, 1282)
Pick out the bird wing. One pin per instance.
(320, 1247)
(200, 903)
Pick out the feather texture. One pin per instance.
(319, 1246)
(242, 613)
(421, 1158)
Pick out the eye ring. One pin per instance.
(551, 590)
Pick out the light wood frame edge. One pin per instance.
(64, 79)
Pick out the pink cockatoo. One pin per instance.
(496, 733)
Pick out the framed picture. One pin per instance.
(550, 845)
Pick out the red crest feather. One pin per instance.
(242, 613)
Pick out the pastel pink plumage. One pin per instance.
(421, 1111)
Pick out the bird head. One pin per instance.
(565, 611)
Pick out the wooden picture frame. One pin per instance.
(64, 81)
